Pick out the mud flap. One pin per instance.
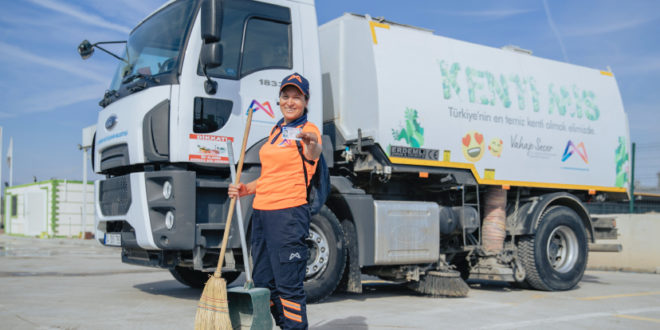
(352, 279)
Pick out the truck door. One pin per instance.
(258, 43)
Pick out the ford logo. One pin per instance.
(111, 122)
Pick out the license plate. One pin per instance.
(112, 239)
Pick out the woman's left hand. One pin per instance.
(311, 140)
(307, 137)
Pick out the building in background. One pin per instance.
(52, 208)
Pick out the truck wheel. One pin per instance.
(327, 256)
(556, 256)
(197, 278)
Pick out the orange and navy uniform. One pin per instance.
(280, 225)
(282, 181)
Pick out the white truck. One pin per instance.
(447, 158)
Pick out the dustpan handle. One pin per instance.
(239, 215)
(232, 204)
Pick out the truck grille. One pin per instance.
(115, 156)
(115, 195)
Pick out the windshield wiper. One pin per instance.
(109, 97)
(138, 75)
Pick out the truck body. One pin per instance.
(445, 156)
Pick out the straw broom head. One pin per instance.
(212, 309)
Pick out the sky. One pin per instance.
(48, 93)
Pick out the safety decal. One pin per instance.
(204, 148)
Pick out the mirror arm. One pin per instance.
(210, 86)
(109, 52)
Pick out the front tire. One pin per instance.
(196, 278)
(556, 256)
(327, 256)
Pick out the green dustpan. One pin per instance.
(249, 307)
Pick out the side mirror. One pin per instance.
(85, 49)
(211, 56)
(211, 20)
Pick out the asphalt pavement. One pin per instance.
(74, 284)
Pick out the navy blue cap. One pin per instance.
(296, 79)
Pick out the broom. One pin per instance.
(447, 283)
(213, 309)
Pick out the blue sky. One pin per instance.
(48, 94)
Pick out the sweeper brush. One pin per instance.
(446, 283)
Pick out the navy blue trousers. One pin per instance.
(280, 257)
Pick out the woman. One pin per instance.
(280, 222)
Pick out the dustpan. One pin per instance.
(249, 307)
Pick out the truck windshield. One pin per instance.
(154, 48)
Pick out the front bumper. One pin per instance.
(138, 199)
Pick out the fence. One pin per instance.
(641, 206)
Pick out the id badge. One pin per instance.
(290, 133)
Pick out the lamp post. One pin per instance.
(83, 221)
(632, 180)
(87, 138)
(2, 190)
(10, 161)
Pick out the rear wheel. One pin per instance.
(327, 256)
(196, 278)
(556, 256)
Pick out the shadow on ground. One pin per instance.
(371, 291)
(170, 288)
(493, 286)
(593, 279)
(376, 290)
(348, 323)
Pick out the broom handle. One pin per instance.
(232, 204)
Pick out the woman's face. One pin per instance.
(292, 103)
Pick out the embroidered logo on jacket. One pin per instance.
(294, 255)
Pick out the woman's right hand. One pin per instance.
(237, 190)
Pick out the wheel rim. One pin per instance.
(319, 252)
(562, 249)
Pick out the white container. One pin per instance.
(511, 118)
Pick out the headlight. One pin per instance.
(167, 190)
(169, 220)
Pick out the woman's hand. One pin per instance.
(308, 137)
(311, 140)
(237, 190)
(241, 189)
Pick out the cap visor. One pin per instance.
(292, 84)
